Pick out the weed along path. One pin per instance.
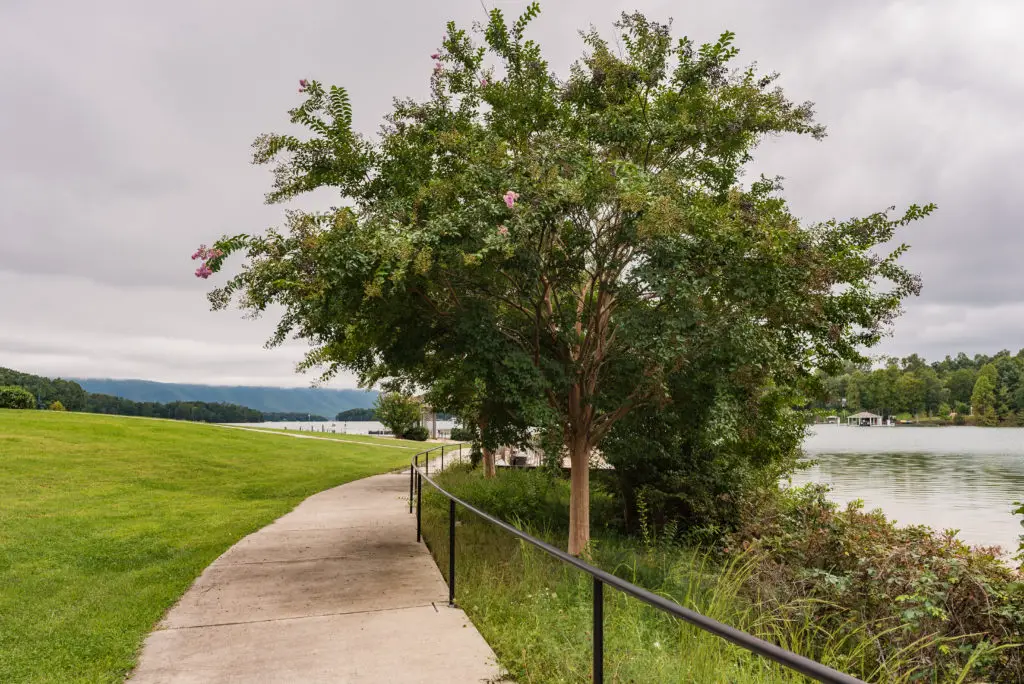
(338, 590)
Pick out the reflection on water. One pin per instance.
(963, 478)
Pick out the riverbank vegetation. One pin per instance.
(106, 521)
(842, 586)
(980, 390)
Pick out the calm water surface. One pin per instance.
(964, 478)
(351, 427)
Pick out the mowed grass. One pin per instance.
(106, 521)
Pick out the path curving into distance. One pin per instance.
(336, 591)
(299, 435)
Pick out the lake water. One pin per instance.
(351, 427)
(964, 478)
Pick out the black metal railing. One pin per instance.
(419, 473)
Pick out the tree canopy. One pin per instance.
(397, 412)
(16, 398)
(989, 388)
(559, 253)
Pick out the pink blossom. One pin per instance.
(510, 198)
(303, 84)
(502, 230)
(199, 253)
(483, 82)
(437, 67)
(204, 271)
(436, 55)
(214, 254)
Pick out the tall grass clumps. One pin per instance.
(536, 612)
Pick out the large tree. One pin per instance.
(575, 242)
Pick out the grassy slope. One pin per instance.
(106, 521)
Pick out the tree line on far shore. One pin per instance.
(24, 390)
(979, 390)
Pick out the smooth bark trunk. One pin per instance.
(489, 468)
(579, 496)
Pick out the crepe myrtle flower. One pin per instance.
(502, 230)
(436, 55)
(303, 84)
(483, 82)
(206, 253)
(510, 198)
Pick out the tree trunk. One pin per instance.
(489, 468)
(579, 495)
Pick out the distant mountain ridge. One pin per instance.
(326, 402)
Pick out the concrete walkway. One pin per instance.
(338, 590)
(300, 435)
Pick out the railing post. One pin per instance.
(598, 631)
(412, 479)
(451, 552)
(442, 457)
(419, 505)
(427, 464)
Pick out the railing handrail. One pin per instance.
(793, 661)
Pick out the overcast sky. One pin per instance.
(126, 129)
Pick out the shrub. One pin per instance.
(417, 432)
(910, 582)
(461, 434)
(57, 406)
(476, 455)
(694, 460)
(397, 412)
(16, 398)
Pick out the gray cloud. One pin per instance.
(125, 133)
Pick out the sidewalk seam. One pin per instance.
(297, 617)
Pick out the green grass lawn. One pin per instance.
(106, 521)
